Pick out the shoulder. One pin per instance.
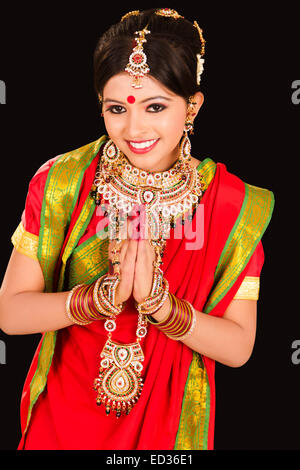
(231, 186)
(234, 199)
(40, 176)
(253, 195)
(64, 166)
(254, 204)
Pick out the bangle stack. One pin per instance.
(180, 321)
(104, 295)
(158, 295)
(88, 302)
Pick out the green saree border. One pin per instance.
(60, 196)
(207, 168)
(68, 171)
(81, 271)
(193, 427)
(253, 219)
(244, 237)
(78, 230)
(194, 419)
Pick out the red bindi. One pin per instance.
(131, 99)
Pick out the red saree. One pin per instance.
(177, 406)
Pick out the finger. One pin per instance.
(146, 244)
(133, 232)
(131, 251)
(129, 261)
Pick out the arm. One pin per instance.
(229, 339)
(24, 307)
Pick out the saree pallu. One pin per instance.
(177, 407)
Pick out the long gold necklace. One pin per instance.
(164, 196)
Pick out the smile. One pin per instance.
(143, 146)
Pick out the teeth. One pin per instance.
(143, 145)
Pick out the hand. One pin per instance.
(127, 265)
(143, 275)
(136, 266)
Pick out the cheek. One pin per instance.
(113, 126)
(172, 125)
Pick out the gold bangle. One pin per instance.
(158, 300)
(157, 323)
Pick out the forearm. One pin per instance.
(218, 338)
(33, 312)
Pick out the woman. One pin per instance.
(138, 263)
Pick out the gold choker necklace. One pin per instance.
(141, 178)
(165, 196)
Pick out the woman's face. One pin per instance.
(145, 123)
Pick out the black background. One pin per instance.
(248, 121)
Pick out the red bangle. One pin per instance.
(180, 320)
(80, 305)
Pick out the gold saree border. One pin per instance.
(192, 431)
(81, 269)
(253, 219)
(60, 196)
(25, 242)
(78, 229)
(193, 428)
(207, 168)
(250, 226)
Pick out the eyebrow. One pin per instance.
(144, 101)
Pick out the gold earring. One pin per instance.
(100, 99)
(189, 123)
(185, 145)
(111, 153)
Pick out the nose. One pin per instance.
(135, 125)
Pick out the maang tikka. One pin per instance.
(137, 66)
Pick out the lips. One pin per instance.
(141, 146)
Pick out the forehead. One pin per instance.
(119, 86)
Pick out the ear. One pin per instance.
(198, 99)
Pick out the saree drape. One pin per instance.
(177, 407)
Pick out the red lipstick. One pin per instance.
(141, 150)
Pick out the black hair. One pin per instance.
(171, 49)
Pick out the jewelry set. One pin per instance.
(163, 197)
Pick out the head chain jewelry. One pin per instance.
(138, 67)
(130, 13)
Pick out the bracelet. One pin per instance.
(71, 306)
(88, 302)
(104, 295)
(153, 303)
(180, 320)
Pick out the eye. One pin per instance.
(116, 109)
(156, 108)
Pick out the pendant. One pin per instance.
(119, 384)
